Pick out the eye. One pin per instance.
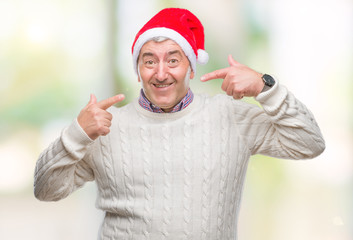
(173, 62)
(149, 62)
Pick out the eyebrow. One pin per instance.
(147, 54)
(175, 52)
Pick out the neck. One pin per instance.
(182, 103)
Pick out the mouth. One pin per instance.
(162, 85)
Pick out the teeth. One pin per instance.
(161, 86)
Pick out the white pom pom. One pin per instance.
(202, 56)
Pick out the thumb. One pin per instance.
(92, 99)
(231, 61)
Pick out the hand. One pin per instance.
(239, 80)
(94, 119)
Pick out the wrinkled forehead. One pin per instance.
(161, 46)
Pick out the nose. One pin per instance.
(161, 72)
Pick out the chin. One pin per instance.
(163, 103)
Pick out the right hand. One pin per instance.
(238, 80)
(94, 119)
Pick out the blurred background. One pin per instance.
(53, 54)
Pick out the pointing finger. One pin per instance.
(105, 104)
(221, 73)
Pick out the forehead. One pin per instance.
(161, 48)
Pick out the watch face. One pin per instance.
(269, 81)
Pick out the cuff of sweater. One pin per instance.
(272, 99)
(75, 140)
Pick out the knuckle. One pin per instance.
(236, 96)
(105, 131)
(232, 74)
(103, 128)
(92, 111)
(110, 116)
(109, 102)
(233, 85)
(100, 127)
(238, 89)
(224, 85)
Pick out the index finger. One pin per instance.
(220, 73)
(105, 104)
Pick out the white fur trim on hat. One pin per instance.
(168, 33)
(202, 56)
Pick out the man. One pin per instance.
(171, 164)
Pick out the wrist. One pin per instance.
(268, 81)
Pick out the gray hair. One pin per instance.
(159, 39)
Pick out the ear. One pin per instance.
(192, 75)
(138, 72)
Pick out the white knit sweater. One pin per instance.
(177, 175)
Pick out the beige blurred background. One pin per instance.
(53, 54)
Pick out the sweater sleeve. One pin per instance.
(62, 167)
(284, 128)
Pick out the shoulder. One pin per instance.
(123, 110)
(224, 106)
(223, 100)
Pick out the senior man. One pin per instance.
(171, 164)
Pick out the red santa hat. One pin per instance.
(179, 25)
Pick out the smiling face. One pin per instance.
(164, 71)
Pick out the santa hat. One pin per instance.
(179, 25)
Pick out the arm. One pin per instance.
(284, 128)
(63, 166)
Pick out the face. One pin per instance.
(164, 71)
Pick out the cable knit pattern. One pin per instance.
(109, 171)
(167, 181)
(177, 175)
(128, 180)
(206, 175)
(223, 171)
(147, 171)
(188, 168)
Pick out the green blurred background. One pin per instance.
(53, 54)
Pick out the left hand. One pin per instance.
(239, 80)
(94, 118)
